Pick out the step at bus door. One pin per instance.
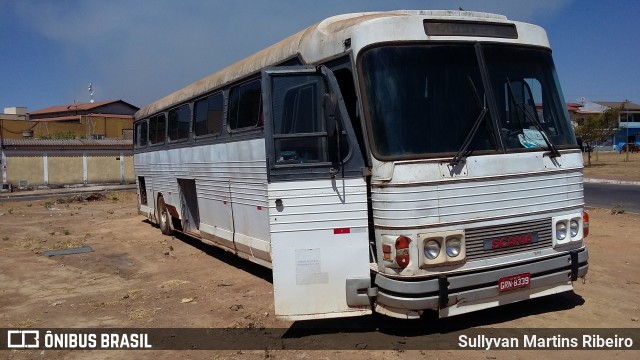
(189, 206)
(317, 197)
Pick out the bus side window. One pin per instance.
(157, 129)
(300, 134)
(141, 134)
(347, 88)
(179, 121)
(245, 105)
(208, 115)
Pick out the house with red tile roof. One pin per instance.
(99, 120)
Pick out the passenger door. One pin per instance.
(317, 197)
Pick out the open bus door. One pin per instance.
(317, 197)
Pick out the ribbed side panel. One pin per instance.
(318, 206)
(222, 171)
(231, 186)
(465, 199)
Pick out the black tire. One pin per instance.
(164, 218)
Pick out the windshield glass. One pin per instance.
(526, 91)
(423, 100)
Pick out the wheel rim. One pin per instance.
(163, 216)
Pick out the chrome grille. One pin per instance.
(474, 238)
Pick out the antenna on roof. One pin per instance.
(91, 92)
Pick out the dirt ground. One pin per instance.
(138, 278)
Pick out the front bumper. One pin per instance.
(459, 294)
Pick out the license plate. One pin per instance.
(514, 282)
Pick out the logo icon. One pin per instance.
(511, 241)
(23, 339)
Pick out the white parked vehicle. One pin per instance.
(394, 162)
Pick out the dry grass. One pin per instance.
(54, 242)
(612, 166)
(173, 283)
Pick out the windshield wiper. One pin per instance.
(552, 149)
(462, 152)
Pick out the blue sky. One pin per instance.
(139, 51)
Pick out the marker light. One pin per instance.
(386, 252)
(585, 224)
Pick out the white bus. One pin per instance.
(394, 162)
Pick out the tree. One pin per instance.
(598, 128)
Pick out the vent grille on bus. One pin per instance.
(475, 238)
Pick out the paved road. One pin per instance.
(596, 195)
(608, 195)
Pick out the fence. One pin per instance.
(66, 162)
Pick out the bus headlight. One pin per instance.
(442, 248)
(431, 249)
(561, 230)
(568, 230)
(574, 228)
(453, 247)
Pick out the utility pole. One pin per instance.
(3, 158)
(626, 141)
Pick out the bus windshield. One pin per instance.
(429, 100)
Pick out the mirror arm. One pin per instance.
(332, 114)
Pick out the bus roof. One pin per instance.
(331, 33)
